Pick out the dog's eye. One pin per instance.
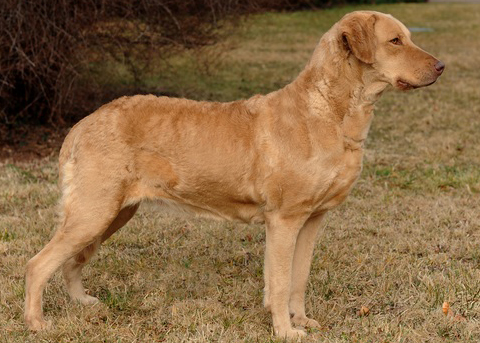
(396, 41)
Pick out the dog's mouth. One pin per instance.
(405, 86)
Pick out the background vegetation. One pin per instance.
(406, 240)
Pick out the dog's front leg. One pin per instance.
(281, 236)
(302, 260)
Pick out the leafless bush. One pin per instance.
(36, 64)
(45, 43)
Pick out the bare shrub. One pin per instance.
(44, 45)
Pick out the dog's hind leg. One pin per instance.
(72, 273)
(88, 213)
(122, 218)
(72, 269)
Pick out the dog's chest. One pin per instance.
(354, 129)
(342, 180)
(334, 187)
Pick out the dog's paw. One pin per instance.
(87, 300)
(291, 334)
(38, 324)
(305, 322)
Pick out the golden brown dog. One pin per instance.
(284, 158)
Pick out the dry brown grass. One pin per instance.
(406, 240)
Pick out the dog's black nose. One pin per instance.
(439, 67)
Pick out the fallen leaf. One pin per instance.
(364, 311)
(445, 308)
(447, 311)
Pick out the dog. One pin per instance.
(284, 159)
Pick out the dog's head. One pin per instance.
(384, 43)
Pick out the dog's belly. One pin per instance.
(233, 211)
(225, 196)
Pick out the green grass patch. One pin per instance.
(425, 178)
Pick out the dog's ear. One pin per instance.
(357, 34)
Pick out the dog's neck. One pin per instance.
(341, 88)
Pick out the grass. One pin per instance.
(405, 241)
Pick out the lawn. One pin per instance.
(405, 241)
